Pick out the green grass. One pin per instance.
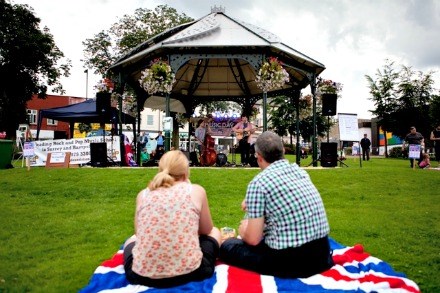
(58, 225)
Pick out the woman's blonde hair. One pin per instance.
(173, 166)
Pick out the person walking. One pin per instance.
(175, 241)
(365, 144)
(435, 137)
(416, 139)
(285, 230)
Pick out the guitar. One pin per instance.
(241, 133)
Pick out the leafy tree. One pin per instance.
(402, 99)
(383, 94)
(28, 63)
(282, 112)
(107, 46)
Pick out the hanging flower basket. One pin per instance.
(327, 86)
(105, 86)
(159, 78)
(271, 75)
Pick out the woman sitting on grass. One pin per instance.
(425, 163)
(175, 241)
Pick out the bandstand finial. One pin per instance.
(217, 9)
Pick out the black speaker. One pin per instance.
(193, 158)
(329, 154)
(329, 104)
(222, 159)
(103, 102)
(98, 154)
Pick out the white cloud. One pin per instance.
(351, 38)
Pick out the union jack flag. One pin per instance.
(354, 271)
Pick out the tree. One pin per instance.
(28, 63)
(282, 112)
(107, 46)
(402, 99)
(383, 91)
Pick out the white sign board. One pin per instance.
(167, 123)
(57, 157)
(414, 151)
(348, 127)
(28, 149)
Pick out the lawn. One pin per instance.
(58, 225)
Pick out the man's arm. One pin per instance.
(251, 230)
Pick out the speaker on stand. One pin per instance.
(329, 104)
(103, 103)
(98, 154)
(329, 154)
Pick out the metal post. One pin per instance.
(167, 132)
(298, 145)
(264, 111)
(314, 139)
(87, 83)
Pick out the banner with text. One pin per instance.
(79, 149)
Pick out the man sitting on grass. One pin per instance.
(285, 233)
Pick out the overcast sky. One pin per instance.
(351, 38)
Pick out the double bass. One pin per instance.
(208, 156)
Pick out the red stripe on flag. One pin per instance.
(117, 259)
(393, 282)
(356, 253)
(240, 280)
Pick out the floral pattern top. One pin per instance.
(167, 243)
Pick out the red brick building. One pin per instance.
(61, 129)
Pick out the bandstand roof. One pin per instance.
(216, 58)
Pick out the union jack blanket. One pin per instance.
(354, 271)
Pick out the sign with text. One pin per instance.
(79, 149)
(28, 149)
(414, 151)
(348, 127)
(57, 157)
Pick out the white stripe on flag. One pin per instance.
(221, 284)
(268, 283)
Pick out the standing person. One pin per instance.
(435, 136)
(144, 140)
(160, 139)
(285, 233)
(415, 138)
(200, 133)
(175, 241)
(365, 144)
(243, 130)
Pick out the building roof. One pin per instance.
(216, 58)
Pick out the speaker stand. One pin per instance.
(315, 161)
(232, 151)
(341, 163)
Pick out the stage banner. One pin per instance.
(79, 149)
(222, 126)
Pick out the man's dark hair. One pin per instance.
(270, 146)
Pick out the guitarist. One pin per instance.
(243, 131)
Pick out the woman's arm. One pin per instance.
(200, 200)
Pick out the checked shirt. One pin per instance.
(289, 202)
